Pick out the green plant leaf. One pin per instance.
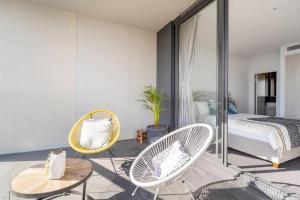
(152, 100)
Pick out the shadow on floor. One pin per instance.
(124, 148)
(123, 183)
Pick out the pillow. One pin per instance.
(95, 133)
(170, 160)
(212, 107)
(232, 109)
(56, 165)
(202, 108)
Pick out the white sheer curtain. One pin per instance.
(187, 37)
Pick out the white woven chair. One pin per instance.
(195, 139)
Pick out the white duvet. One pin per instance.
(238, 125)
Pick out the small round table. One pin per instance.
(33, 183)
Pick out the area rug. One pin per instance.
(243, 187)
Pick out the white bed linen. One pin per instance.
(256, 131)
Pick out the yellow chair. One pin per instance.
(74, 134)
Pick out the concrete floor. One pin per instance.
(104, 184)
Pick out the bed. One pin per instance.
(254, 134)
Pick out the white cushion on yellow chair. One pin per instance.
(95, 133)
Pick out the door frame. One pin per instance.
(222, 67)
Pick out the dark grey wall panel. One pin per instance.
(165, 71)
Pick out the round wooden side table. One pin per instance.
(33, 183)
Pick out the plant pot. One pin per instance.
(156, 132)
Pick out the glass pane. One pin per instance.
(198, 71)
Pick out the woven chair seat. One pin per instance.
(194, 138)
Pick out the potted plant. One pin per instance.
(153, 99)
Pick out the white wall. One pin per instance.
(240, 78)
(204, 76)
(292, 72)
(37, 75)
(238, 81)
(114, 63)
(42, 90)
(262, 64)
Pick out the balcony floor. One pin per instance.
(104, 184)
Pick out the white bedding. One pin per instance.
(238, 125)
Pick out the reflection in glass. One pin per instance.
(198, 71)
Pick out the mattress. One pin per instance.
(254, 131)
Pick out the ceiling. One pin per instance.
(147, 14)
(256, 27)
(259, 27)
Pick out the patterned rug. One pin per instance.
(244, 187)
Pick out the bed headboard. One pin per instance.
(205, 96)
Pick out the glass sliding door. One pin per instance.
(201, 73)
